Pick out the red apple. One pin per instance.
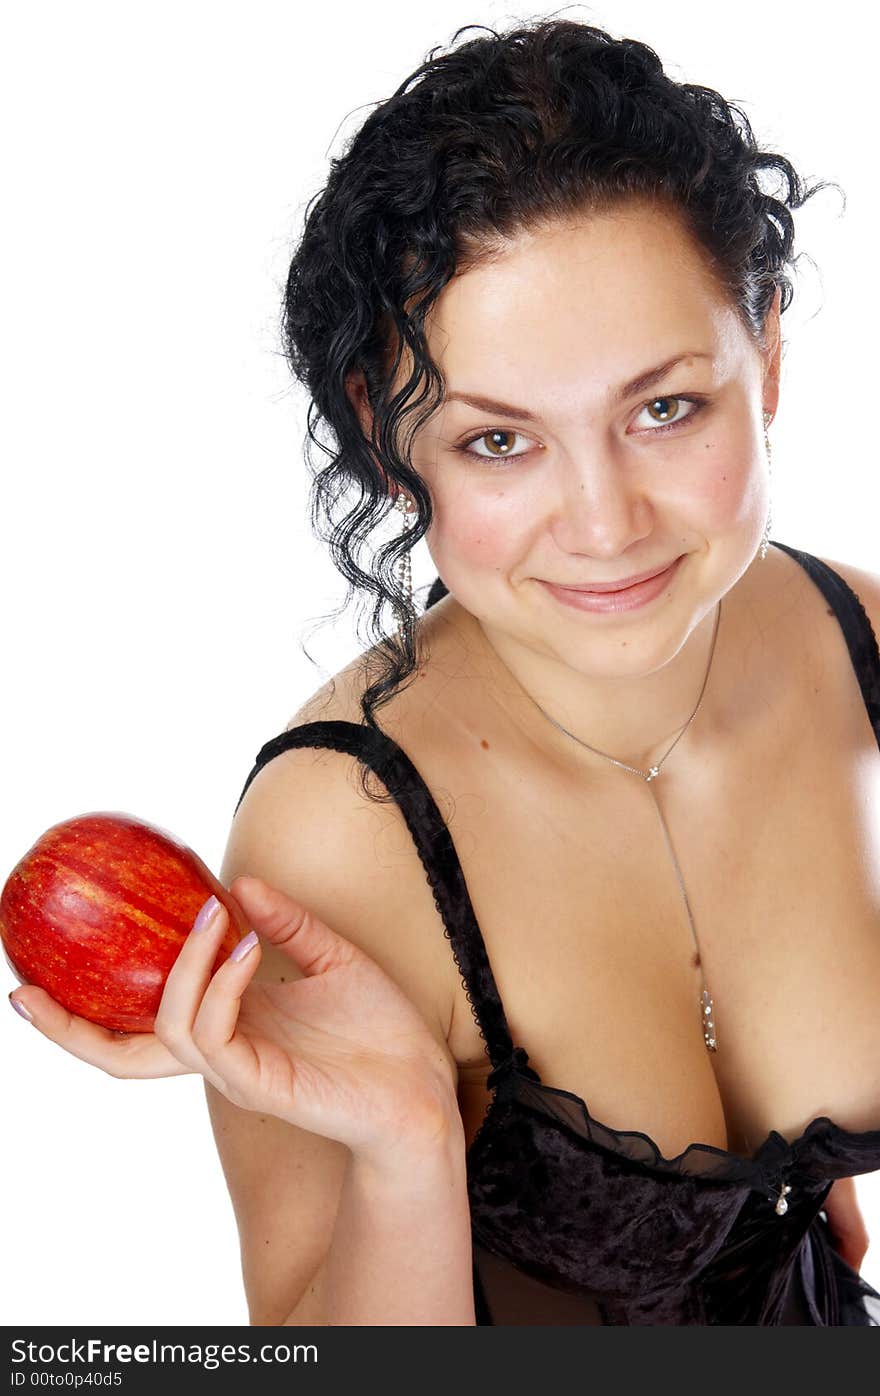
(96, 911)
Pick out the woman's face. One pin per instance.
(590, 480)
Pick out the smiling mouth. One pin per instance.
(600, 588)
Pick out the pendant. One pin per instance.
(706, 1016)
(653, 772)
(781, 1205)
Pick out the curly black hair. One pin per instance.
(544, 120)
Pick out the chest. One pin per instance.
(588, 935)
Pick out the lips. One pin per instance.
(625, 582)
(619, 600)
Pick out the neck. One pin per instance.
(633, 719)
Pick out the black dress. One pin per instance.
(577, 1223)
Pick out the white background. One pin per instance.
(157, 570)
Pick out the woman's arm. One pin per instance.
(401, 1247)
(331, 1236)
(846, 1223)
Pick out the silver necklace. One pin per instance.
(707, 1008)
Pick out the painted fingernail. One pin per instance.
(20, 1008)
(244, 946)
(206, 914)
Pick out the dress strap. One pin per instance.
(855, 624)
(440, 860)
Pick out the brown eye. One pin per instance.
(665, 413)
(499, 441)
(497, 438)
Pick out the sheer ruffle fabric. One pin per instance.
(602, 1216)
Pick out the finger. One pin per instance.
(187, 982)
(124, 1055)
(233, 1059)
(290, 926)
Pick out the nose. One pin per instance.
(600, 509)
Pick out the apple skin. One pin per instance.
(97, 910)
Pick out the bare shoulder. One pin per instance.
(306, 825)
(865, 584)
(441, 654)
(339, 698)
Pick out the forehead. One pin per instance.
(608, 286)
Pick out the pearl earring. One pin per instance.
(765, 541)
(404, 569)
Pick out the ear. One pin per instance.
(356, 390)
(772, 356)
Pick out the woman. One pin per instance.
(538, 304)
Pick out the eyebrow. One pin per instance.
(635, 385)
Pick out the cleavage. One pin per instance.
(588, 937)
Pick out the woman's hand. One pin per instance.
(849, 1234)
(340, 1051)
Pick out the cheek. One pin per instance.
(725, 489)
(476, 529)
